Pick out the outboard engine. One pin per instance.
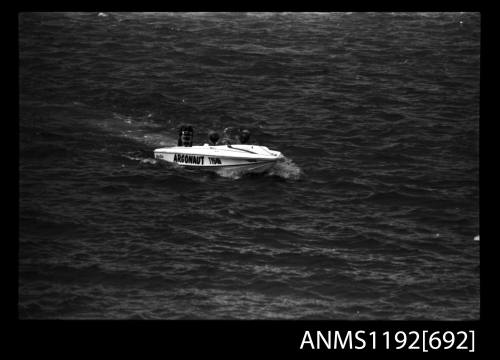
(244, 136)
(213, 137)
(185, 136)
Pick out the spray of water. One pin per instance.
(142, 160)
(285, 169)
(142, 130)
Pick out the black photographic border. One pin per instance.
(237, 338)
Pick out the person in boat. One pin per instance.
(229, 137)
(185, 136)
(244, 136)
(213, 137)
(241, 138)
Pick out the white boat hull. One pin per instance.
(244, 158)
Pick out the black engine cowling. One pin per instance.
(185, 136)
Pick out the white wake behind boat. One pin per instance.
(241, 157)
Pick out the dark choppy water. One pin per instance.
(372, 217)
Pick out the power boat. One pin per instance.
(240, 157)
(252, 158)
